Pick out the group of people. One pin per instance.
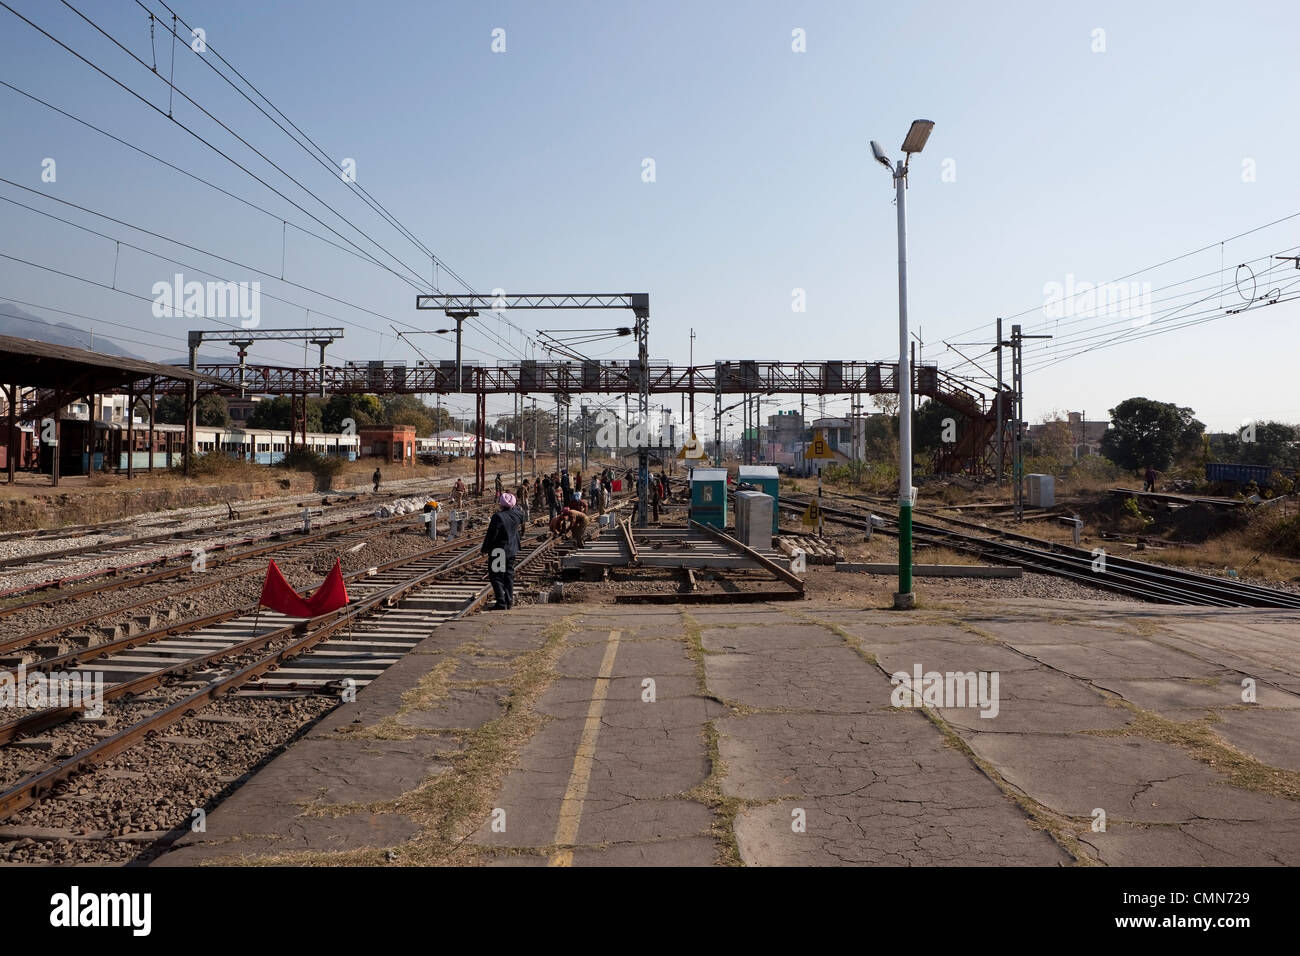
(562, 496)
(560, 490)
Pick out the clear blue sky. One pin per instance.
(523, 170)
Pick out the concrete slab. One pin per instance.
(1133, 779)
(605, 776)
(798, 679)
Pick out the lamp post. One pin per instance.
(914, 142)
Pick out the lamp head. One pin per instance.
(881, 158)
(916, 137)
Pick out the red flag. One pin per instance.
(279, 595)
(332, 594)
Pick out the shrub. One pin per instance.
(217, 465)
(304, 459)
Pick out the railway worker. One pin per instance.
(561, 523)
(458, 494)
(521, 496)
(500, 488)
(501, 545)
(656, 495)
(1150, 479)
(578, 527)
(595, 494)
(550, 488)
(375, 478)
(566, 487)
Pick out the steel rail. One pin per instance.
(1166, 585)
(32, 789)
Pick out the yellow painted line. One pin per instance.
(566, 830)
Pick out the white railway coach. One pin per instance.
(267, 446)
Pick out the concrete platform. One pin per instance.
(774, 734)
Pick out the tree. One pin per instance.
(278, 414)
(212, 411)
(928, 426)
(408, 410)
(1054, 438)
(362, 409)
(171, 410)
(1146, 432)
(1275, 444)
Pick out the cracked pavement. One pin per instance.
(767, 734)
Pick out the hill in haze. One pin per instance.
(24, 325)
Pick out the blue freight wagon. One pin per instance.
(1238, 474)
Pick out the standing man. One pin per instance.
(594, 494)
(375, 478)
(521, 500)
(1150, 479)
(565, 487)
(548, 490)
(499, 488)
(501, 545)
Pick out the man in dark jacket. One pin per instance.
(501, 545)
(566, 486)
(548, 489)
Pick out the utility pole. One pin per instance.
(1002, 431)
(692, 374)
(534, 439)
(914, 142)
(1018, 403)
(1018, 407)
(803, 432)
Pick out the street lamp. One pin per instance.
(914, 142)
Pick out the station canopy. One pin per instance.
(71, 372)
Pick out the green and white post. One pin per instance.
(904, 599)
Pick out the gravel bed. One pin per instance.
(146, 796)
(303, 572)
(90, 563)
(187, 519)
(130, 807)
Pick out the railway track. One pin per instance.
(63, 557)
(336, 540)
(126, 544)
(240, 652)
(1166, 585)
(58, 591)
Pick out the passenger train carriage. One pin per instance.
(268, 446)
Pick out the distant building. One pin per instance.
(1085, 436)
(241, 409)
(392, 443)
(847, 436)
